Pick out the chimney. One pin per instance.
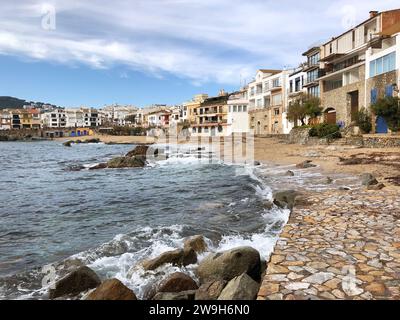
(373, 14)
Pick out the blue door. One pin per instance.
(381, 125)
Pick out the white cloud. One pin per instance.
(202, 40)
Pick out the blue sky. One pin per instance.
(140, 52)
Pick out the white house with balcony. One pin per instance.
(238, 115)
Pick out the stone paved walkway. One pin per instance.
(341, 245)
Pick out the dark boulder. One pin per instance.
(285, 198)
(289, 173)
(177, 257)
(177, 282)
(67, 143)
(126, 162)
(76, 282)
(229, 264)
(210, 290)
(367, 179)
(112, 289)
(240, 288)
(305, 164)
(197, 243)
(140, 150)
(99, 166)
(378, 186)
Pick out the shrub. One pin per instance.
(364, 120)
(325, 130)
(389, 109)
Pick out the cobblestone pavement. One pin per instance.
(340, 245)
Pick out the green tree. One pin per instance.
(304, 106)
(389, 109)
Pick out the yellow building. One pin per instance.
(189, 107)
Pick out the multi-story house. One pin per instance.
(296, 88)
(211, 117)
(189, 107)
(116, 115)
(238, 115)
(5, 119)
(383, 71)
(313, 71)
(268, 101)
(54, 119)
(36, 121)
(342, 82)
(159, 118)
(74, 118)
(16, 119)
(91, 117)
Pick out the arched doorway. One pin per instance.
(330, 116)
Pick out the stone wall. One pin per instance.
(340, 100)
(381, 141)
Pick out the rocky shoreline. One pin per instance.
(228, 275)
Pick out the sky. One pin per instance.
(141, 52)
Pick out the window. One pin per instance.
(312, 75)
(205, 129)
(199, 130)
(244, 108)
(276, 82)
(276, 112)
(381, 65)
(259, 103)
(314, 59)
(276, 99)
(235, 108)
(239, 108)
(266, 85)
(313, 91)
(194, 130)
(291, 86)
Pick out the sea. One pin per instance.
(56, 213)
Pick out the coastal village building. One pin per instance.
(211, 117)
(188, 114)
(55, 119)
(342, 81)
(159, 118)
(5, 119)
(238, 116)
(382, 71)
(295, 89)
(268, 101)
(313, 70)
(116, 115)
(91, 117)
(74, 118)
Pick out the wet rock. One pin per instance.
(328, 180)
(99, 166)
(75, 168)
(197, 243)
(257, 163)
(76, 282)
(112, 289)
(94, 140)
(229, 264)
(140, 150)
(285, 198)
(378, 186)
(67, 143)
(184, 295)
(289, 173)
(305, 164)
(178, 282)
(126, 162)
(210, 290)
(367, 179)
(178, 257)
(240, 288)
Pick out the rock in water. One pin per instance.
(240, 288)
(67, 143)
(178, 257)
(99, 166)
(184, 295)
(210, 290)
(229, 264)
(197, 243)
(285, 198)
(305, 164)
(178, 282)
(112, 289)
(126, 162)
(368, 179)
(289, 173)
(74, 283)
(138, 151)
